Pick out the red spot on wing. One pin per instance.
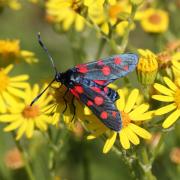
(126, 68)
(100, 82)
(106, 90)
(98, 100)
(100, 62)
(89, 103)
(82, 68)
(73, 91)
(79, 89)
(104, 115)
(106, 70)
(114, 114)
(117, 60)
(96, 89)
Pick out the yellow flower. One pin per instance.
(58, 105)
(132, 114)
(155, 20)
(26, 118)
(107, 15)
(171, 94)
(13, 4)
(66, 12)
(9, 48)
(10, 51)
(176, 64)
(147, 67)
(10, 87)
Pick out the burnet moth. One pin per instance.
(88, 83)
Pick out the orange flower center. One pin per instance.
(114, 11)
(125, 119)
(4, 79)
(177, 98)
(31, 111)
(155, 19)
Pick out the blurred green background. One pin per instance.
(77, 159)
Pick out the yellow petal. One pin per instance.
(165, 109)
(109, 142)
(132, 136)
(9, 117)
(16, 92)
(40, 124)
(19, 108)
(120, 103)
(79, 23)
(163, 98)
(124, 139)
(170, 84)
(30, 129)
(8, 68)
(131, 100)
(87, 111)
(19, 78)
(68, 21)
(139, 110)
(171, 119)
(19, 84)
(143, 117)
(9, 98)
(96, 134)
(113, 86)
(13, 125)
(28, 98)
(3, 107)
(140, 131)
(164, 90)
(35, 90)
(54, 120)
(21, 130)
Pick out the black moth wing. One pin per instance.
(101, 105)
(106, 70)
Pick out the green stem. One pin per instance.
(86, 167)
(125, 39)
(127, 160)
(26, 161)
(146, 165)
(100, 48)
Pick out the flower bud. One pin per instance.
(147, 67)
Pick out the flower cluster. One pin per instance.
(105, 15)
(131, 115)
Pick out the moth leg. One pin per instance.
(74, 109)
(64, 98)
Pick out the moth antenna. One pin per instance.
(47, 52)
(39, 95)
